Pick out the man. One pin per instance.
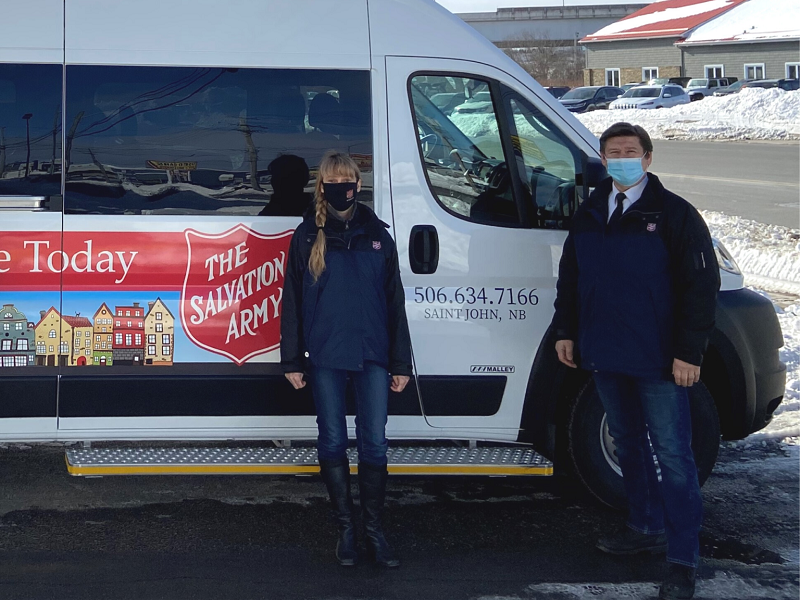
(636, 298)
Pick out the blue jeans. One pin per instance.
(635, 407)
(372, 399)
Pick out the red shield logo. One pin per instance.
(231, 297)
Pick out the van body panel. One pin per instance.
(242, 33)
(33, 32)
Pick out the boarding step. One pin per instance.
(403, 460)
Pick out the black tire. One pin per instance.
(590, 455)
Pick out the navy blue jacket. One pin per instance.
(637, 295)
(355, 311)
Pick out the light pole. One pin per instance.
(27, 117)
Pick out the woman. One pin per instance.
(344, 317)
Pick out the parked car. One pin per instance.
(481, 102)
(733, 88)
(681, 81)
(651, 96)
(447, 101)
(784, 84)
(699, 88)
(628, 86)
(585, 99)
(558, 90)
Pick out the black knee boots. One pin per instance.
(336, 475)
(372, 490)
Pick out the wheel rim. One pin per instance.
(609, 449)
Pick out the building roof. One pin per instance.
(753, 21)
(77, 321)
(44, 314)
(668, 18)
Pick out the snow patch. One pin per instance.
(752, 114)
(723, 585)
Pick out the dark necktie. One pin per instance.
(617, 214)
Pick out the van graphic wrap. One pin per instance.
(140, 298)
(231, 297)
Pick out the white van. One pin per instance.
(140, 284)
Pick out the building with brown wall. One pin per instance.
(159, 326)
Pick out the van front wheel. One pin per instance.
(593, 455)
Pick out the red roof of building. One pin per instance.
(669, 18)
(77, 321)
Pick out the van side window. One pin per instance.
(30, 130)
(461, 148)
(169, 140)
(547, 163)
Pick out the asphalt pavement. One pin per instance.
(244, 538)
(755, 180)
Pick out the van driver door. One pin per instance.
(483, 187)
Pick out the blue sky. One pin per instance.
(493, 5)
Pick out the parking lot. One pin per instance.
(253, 537)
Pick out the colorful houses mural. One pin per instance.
(159, 326)
(102, 353)
(17, 339)
(80, 343)
(127, 335)
(51, 348)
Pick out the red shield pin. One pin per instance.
(232, 292)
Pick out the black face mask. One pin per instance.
(341, 196)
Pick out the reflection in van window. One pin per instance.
(164, 140)
(548, 167)
(461, 146)
(30, 130)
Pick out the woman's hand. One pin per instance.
(399, 383)
(296, 379)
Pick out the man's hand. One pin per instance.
(296, 379)
(565, 349)
(399, 383)
(686, 374)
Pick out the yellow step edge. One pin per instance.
(298, 470)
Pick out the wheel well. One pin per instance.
(714, 374)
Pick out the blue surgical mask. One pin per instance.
(625, 171)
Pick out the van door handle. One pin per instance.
(31, 203)
(423, 249)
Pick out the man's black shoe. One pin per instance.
(629, 541)
(678, 584)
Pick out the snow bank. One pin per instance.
(752, 114)
(768, 255)
(786, 422)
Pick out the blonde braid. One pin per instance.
(316, 263)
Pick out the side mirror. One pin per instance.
(667, 95)
(594, 172)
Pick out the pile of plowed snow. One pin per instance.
(752, 114)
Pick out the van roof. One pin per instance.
(239, 33)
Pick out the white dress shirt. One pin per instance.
(631, 196)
